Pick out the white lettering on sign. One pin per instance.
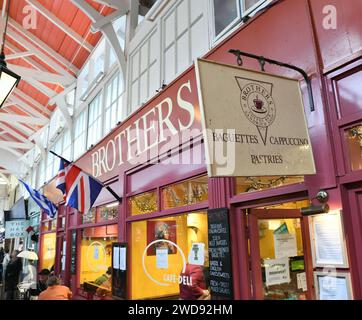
(154, 127)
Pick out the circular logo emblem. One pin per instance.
(144, 262)
(258, 105)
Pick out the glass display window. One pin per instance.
(143, 203)
(250, 184)
(163, 257)
(48, 251)
(53, 225)
(107, 212)
(353, 138)
(185, 193)
(96, 258)
(90, 216)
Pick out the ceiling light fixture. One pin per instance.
(8, 79)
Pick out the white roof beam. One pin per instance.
(18, 55)
(41, 75)
(44, 46)
(38, 85)
(32, 101)
(116, 4)
(7, 117)
(107, 30)
(62, 105)
(108, 19)
(16, 145)
(23, 129)
(42, 56)
(32, 111)
(15, 134)
(60, 24)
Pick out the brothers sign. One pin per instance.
(254, 123)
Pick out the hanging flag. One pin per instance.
(80, 189)
(42, 201)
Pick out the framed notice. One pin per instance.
(119, 270)
(328, 241)
(335, 286)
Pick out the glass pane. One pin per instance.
(157, 261)
(250, 184)
(143, 203)
(53, 224)
(48, 251)
(95, 260)
(45, 226)
(282, 259)
(108, 212)
(249, 3)
(353, 138)
(226, 11)
(185, 193)
(90, 216)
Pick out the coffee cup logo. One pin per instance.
(257, 104)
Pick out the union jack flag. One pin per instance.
(80, 189)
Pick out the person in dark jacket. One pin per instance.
(12, 274)
(2, 255)
(41, 285)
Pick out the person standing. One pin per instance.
(195, 288)
(2, 254)
(41, 284)
(55, 291)
(5, 261)
(12, 274)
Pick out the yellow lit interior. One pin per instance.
(190, 228)
(48, 250)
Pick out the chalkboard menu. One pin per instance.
(219, 254)
(73, 252)
(119, 270)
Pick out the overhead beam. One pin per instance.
(97, 26)
(116, 4)
(22, 119)
(38, 85)
(31, 110)
(16, 145)
(37, 52)
(41, 75)
(32, 101)
(22, 128)
(62, 105)
(15, 134)
(60, 24)
(44, 46)
(107, 30)
(18, 55)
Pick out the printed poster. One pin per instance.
(116, 258)
(197, 254)
(122, 258)
(162, 258)
(276, 271)
(285, 245)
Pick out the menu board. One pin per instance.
(73, 252)
(219, 254)
(119, 270)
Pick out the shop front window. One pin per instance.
(185, 193)
(45, 226)
(108, 212)
(53, 225)
(161, 249)
(48, 251)
(90, 216)
(143, 203)
(250, 184)
(353, 137)
(96, 258)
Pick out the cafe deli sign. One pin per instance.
(254, 122)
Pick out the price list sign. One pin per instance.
(219, 254)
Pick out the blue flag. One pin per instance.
(43, 202)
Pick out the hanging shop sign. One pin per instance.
(219, 254)
(16, 229)
(254, 122)
(73, 252)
